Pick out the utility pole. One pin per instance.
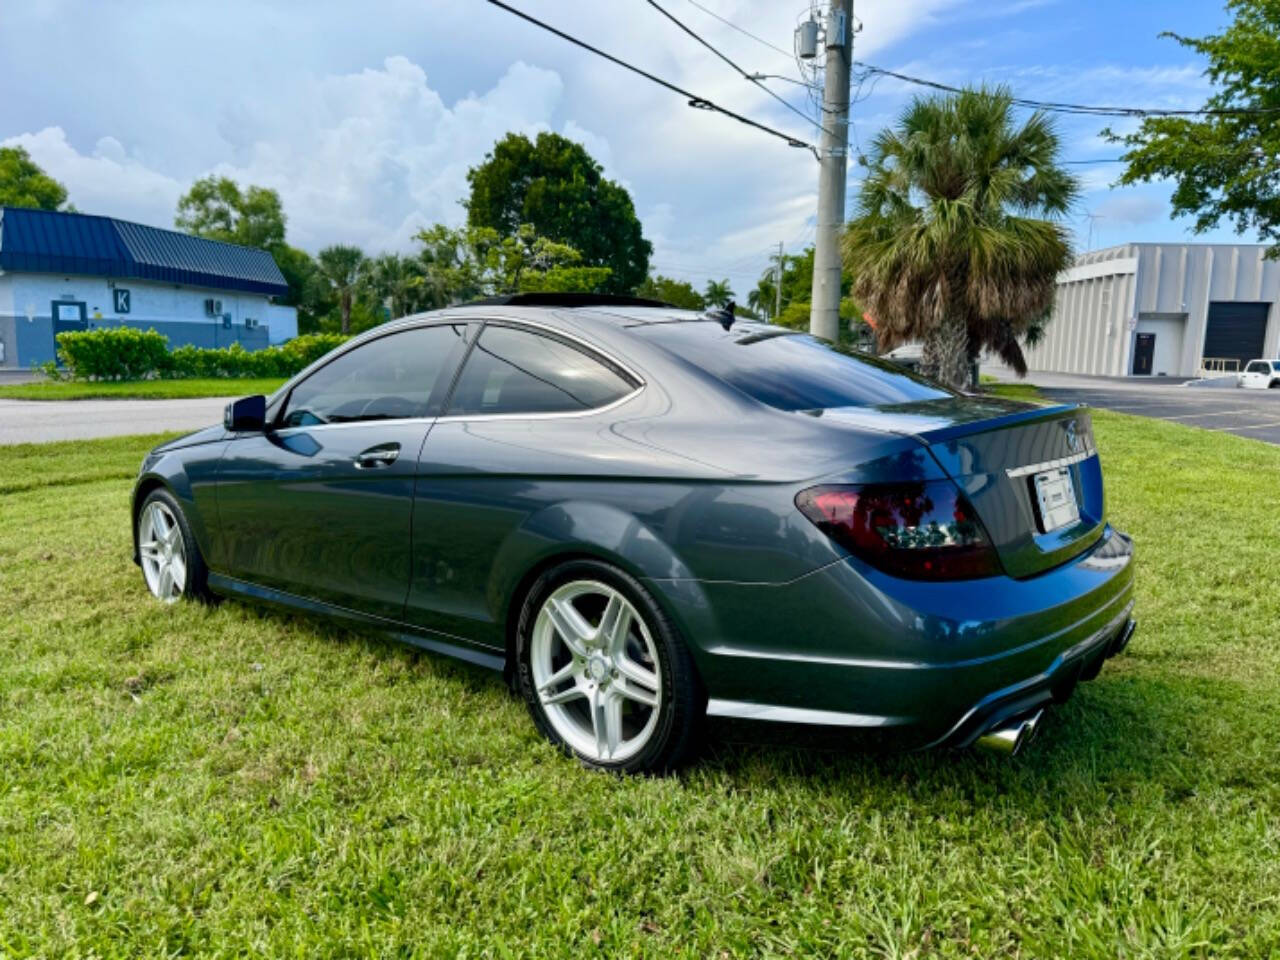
(777, 285)
(824, 316)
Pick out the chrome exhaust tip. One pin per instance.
(1012, 737)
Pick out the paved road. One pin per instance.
(1246, 413)
(39, 421)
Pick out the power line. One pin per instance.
(1082, 162)
(745, 75)
(1048, 105)
(746, 33)
(1078, 108)
(701, 103)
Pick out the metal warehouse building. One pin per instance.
(71, 271)
(1152, 309)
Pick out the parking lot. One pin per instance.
(1246, 413)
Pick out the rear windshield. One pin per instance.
(789, 370)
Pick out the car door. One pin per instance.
(319, 504)
(525, 427)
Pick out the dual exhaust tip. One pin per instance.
(1012, 735)
(1009, 738)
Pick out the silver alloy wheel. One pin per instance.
(595, 670)
(164, 556)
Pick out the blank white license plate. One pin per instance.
(1056, 495)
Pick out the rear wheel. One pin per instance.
(604, 673)
(172, 565)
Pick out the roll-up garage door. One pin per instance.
(1236, 331)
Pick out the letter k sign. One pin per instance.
(122, 300)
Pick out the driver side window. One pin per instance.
(389, 378)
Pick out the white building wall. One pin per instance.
(33, 293)
(1087, 331)
(1110, 295)
(177, 311)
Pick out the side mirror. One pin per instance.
(248, 414)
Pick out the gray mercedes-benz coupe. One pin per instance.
(645, 516)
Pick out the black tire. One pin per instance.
(678, 733)
(196, 581)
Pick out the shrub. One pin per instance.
(122, 353)
(113, 353)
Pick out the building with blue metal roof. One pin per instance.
(74, 271)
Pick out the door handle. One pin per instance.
(380, 456)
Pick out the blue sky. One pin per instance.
(365, 117)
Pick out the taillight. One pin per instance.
(920, 531)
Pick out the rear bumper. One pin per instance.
(1055, 685)
(929, 664)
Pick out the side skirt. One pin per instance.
(446, 644)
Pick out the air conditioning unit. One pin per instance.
(213, 308)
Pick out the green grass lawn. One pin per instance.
(228, 781)
(136, 389)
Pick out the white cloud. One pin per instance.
(370, 158)
(106, 180)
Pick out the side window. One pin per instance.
(516, 371)
(1259, 368)
(385, 379)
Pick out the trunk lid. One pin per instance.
(994, 449)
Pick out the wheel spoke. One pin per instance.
(178, 572)
(150, 550)
(615, 624)
(557, 678)
(637, 675)
(624, 686)
(598, 723)
(166, 581)
(568, 693)
(573, 630)
(611, 715)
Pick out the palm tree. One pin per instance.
(341, 266)
(717, 293)
(395, 281)
(764, 297)
(958, 239)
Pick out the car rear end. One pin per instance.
(978, 586)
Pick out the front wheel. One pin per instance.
(172, 566)
(604, 673)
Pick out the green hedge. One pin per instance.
(123, 353)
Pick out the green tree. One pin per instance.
(957, 240)
(308, 291)
(216, 207)
(797, 283)
(24, 184)
(678, 293)
(394, 282)
(717, 292)
(763, 297)
(566, 280)
(1226, 165)
(450, 273)
(553, 185)
(340, 267)
(462, 264)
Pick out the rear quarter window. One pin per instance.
(788, 370)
